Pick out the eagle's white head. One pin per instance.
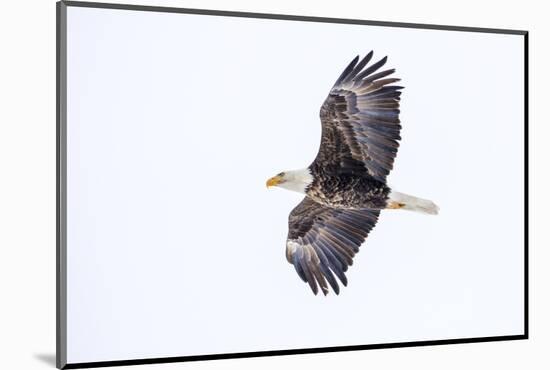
(297, 180)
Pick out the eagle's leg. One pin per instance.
(394, 205)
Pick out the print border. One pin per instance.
(61, 183)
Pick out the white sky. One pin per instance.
(176, 248)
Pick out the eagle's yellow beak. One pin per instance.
(274, 181)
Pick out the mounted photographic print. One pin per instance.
(237, 184)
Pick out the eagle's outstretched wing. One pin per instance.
(322, 241)
(360, 119)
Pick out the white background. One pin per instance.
(175, 247)
(28, 200)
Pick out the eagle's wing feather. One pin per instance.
(322, 241)
(360, 121)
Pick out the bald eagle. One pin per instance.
(345, 187)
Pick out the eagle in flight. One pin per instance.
(345, 186)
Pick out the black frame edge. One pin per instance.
(288, 17)
(165, 360)
(526, 180)
(61, 158)
(61, 184)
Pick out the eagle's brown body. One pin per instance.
(348, 191)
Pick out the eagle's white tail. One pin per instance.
(403, 201)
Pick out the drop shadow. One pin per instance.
(47, 358)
